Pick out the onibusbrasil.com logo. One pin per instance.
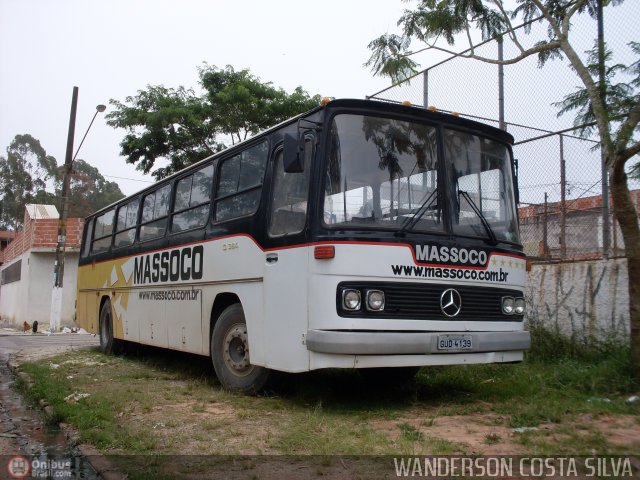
(18, 467)
(21, 467)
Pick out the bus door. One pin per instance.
(286, 267)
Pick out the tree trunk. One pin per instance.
(628, 220)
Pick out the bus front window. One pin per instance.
(480, 170)
(382, 173)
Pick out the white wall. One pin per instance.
(12, 308)
(586, 299)
(30, 298)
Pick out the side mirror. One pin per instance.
(293, 160)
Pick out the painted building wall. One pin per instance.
(13, 296)
(29, 298)
(586, 299)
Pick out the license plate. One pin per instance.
(455, 342)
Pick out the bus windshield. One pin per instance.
(383, 173)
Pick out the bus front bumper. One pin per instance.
(413, 343)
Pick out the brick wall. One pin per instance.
(578, 204)
(42, 233)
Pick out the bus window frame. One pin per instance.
(110, 235)
(307, 170)
(127, 228)
(88, 238)
(173, 212)
(260, 186)
(440, 170)
(153, 220)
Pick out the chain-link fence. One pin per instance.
(562, 214)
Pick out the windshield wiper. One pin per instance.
(409, 223)
(485, 223)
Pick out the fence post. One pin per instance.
(606, 224)
(563, 202)
(425, 88)
(502, 124)
(545, 238)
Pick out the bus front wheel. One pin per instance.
(230, 354)
(108, 344)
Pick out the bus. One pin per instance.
(358, 235)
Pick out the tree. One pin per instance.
(24, 174)
(29, 175)
(177, 125)
(89, 191)
(616, 124)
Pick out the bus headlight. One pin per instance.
(508, 305)
(520, 306)
(375, 300)
(351, 299)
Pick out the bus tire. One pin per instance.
(108, 344)
(230, 354)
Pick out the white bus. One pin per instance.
(360, 234)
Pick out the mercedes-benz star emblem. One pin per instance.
(450, 302)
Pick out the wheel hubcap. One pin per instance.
(236, 350)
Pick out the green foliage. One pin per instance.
(619, 97)
(429, 21)
(24, 175)
(433, 20)
(164, 123)
(390, 57)
(177, 125)
(29, 175)
(89, 190)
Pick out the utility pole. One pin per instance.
(58, 268)
(66, 180)
(67, 170)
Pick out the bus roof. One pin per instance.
(359, 104)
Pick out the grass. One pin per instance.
(164, 402)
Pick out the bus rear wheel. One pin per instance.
(108, 344)
(230, 354)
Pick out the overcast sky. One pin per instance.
(112, 49)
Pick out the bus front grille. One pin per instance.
(419, 301)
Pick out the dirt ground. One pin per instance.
(190, 426)
(477, 433)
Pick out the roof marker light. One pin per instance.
(407, 103)
(325, 100)
(432, 108)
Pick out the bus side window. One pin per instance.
(86, 246)
(155, 211)
(102, 232)
(240, 183)
(290, 195)
(193, 196)
(126, 224)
